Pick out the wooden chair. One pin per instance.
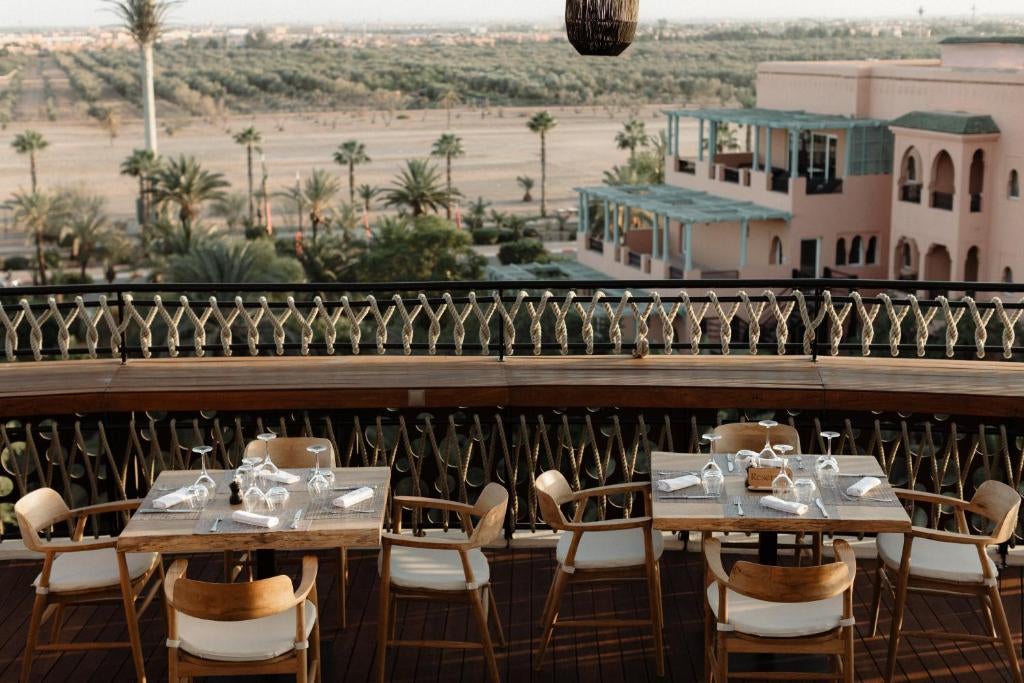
(261, 627)
(290, 453)
(936, 562)
(610, 550)
(787, 610)
(81, 572)
(432, 569)
(737, 436)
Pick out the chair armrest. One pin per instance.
(933, 498)
(611, 525)
(117, 506)
(435, 503)
(713, 560)
(175, 572)
(612, 490)
(309, 569)
(950, 537)
(78, 546)
(407, 541)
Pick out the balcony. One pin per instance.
(780, 181)
(942, 200)
(817, 186)
(688, 166)
(595, 244)
(910, 193)
(455, 385)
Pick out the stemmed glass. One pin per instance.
(328, 474)
(267, 467)
(711, 477)
(827, 467)
(767, 453)
(205, 480)
(783, 449)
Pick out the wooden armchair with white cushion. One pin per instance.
(263, 627)
(81, 572)
(935, 562)
(786, 610)
(609, 550)
(442, 570)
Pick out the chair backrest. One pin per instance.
(737, 436)
(796, 584)
(553, 491)
(490, 508)
(290, 452)
(998, 503)
(233, 601)
(37, 512)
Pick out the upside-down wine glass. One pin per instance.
(711, 477)
(328, 474)
(267, 467)
(205, 480)
(767, 453)
(827, 467)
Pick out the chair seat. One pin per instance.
(776, 619)
(439, 570)
(609, 549)
(94, 569)
(929, 559)
(254, 640)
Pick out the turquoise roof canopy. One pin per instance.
(683, 205)
(780, 118)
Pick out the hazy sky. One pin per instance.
(90, 12)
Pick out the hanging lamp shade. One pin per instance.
(601, 27)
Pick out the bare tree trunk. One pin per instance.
(448, 179)
(32, 170)
(543, 176)
(352, 183)
(40, 259)
(148, 98)
(252, 205)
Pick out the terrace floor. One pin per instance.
(521, 578)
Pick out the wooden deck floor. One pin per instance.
(521, 578)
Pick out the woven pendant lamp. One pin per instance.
(601, 27)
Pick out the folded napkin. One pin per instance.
(784, 505)
(683, 482)
(770, 462)
(283, 477)
(243, 517)
(863, 487)
(171, 499)
(746, 458)
(354, 497)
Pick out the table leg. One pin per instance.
(266, 564)
(768, 548)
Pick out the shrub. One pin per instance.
(485, 236)
(523, 251)
(505, 235)
(17, 263)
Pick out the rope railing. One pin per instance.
(782, 317)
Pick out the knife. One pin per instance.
(295, 521)
(165, 512)
(739, 508)
(821, 507)
(216, 523)
(684, 497)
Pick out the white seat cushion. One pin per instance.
(777, 619)
(609, 549)
(93, 569)
(934, 559)
(254, 640)
(439, 570)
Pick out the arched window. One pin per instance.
(910, 176)
(1008, 275)
(943, 181)
(971, 265)
(856, 251)
(841, 252)
(977, 180)
(871, 255)
(906, 255)
(775, 255)
(1014, 188)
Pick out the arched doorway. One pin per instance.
(1013, 189)
(775, 254)
(841, 252)
(943, 185)
(971, 265)
(977, 180)
(910, 176)
(938, 265)
(906, 259)
(1008, 275)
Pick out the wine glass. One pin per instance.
(767, 453)
(782, 484)
(783, 449)
(328, 474)
(711, 477)
(205, 480)
(267, 466)
(318, 486)
(828, 436)
(826, 466)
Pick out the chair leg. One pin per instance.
(709, 642)
(495, 617)
(654, 597)
(302, 667)
(986, 608)
(229, 566)
(899, 607)
(384, 611)
(1005, 635)
(128, 597)
(317, 658)
(343, 588)
(38, 607)
(548, 621)
(876, 600)
(848, 656)
(722, 660)
(58, 623)
(485, 636)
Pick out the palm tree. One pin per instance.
(417, 187)
(37, 212)
(448, 147)
(477, 213)
(296, 196)
(145, 20)
(526, 182)
(351, 153)
(88, 228)
(231, 209)
(450, 98)
(541, 123)
(368, 193)
(30, 142)
(231, 261)
(250, 138)
(632, 135)
(318, 192)
(142, 164)
(184, 183)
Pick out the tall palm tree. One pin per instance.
(448, 147)
(250, 138)
(367, 193)
(88, 228)
(541, 123)
(632, 135)
(142, 164)
(30, 142)
(37, 212)
(351, 153)
(417, 188)
(318, 192)
(184, 183)
(145, 20)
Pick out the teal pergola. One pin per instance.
(668, 203)
(868, 148)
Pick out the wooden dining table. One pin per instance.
(684, 511)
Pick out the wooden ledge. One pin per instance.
(980, 388)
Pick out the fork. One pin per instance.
(216, 523)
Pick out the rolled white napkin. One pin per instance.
(171, 499)
(283, 477)
(771, 462)
(243, 517)
(784, 505)
(746, 458)
(682, 482)
(354, 497)
(863, 487)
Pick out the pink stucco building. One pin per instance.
(904, 169)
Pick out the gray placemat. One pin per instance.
(753, 509)
(229, 526)
(326, 509)
(150, 514)
(835, 494)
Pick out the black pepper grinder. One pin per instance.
(236, 496)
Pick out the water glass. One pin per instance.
(254, 500)
(713, 482)
(197, 496)
(277, 498)
(804, 490)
